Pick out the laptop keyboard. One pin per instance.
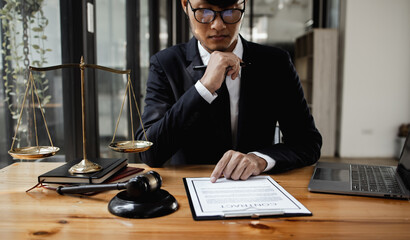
(374, 179)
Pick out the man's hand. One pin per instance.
(236, 165)
(220, 65)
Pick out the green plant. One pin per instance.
(23, 25)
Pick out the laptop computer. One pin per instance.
(364, 180)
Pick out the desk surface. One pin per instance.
(44, 214)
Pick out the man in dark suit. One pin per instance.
(226, 114)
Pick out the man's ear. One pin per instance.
(184, 5)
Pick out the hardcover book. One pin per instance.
(125, 174)
(61, 175)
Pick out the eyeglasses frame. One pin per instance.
(215, 12)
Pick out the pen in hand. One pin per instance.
(202, 67)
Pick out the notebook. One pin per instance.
(364, 180)
(61, 175)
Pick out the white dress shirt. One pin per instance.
(233, 86)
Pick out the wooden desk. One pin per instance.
(43, 214)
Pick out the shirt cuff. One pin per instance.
(270, 161)
(205, 93)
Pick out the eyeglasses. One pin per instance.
(206, 15)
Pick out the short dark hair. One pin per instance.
(224, 3)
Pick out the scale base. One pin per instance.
(156, 204)
(85, 166)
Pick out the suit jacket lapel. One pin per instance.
(192, 56)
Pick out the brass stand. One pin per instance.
(85, 166)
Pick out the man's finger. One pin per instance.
(237, 166)
(247, 173)
(220, 166)
(234, 165)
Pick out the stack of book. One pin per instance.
(113, 170)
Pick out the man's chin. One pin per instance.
(213, 48)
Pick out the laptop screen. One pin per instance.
(404, 165)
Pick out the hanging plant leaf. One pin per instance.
(37, 29)
(23, 24)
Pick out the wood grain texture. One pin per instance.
(43, 214)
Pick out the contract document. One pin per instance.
(259, 196)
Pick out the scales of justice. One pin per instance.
(85, 165)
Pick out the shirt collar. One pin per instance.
(205, 55)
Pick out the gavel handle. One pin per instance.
(91, 188)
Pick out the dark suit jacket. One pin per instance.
(188, 130)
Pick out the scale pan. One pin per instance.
(130, 146)
(33, 153)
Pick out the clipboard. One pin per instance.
(257, 197)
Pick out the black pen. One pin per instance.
(201, 67)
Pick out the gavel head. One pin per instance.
(144, 184)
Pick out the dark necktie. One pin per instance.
(222, 115)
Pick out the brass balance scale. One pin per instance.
(85, 165)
